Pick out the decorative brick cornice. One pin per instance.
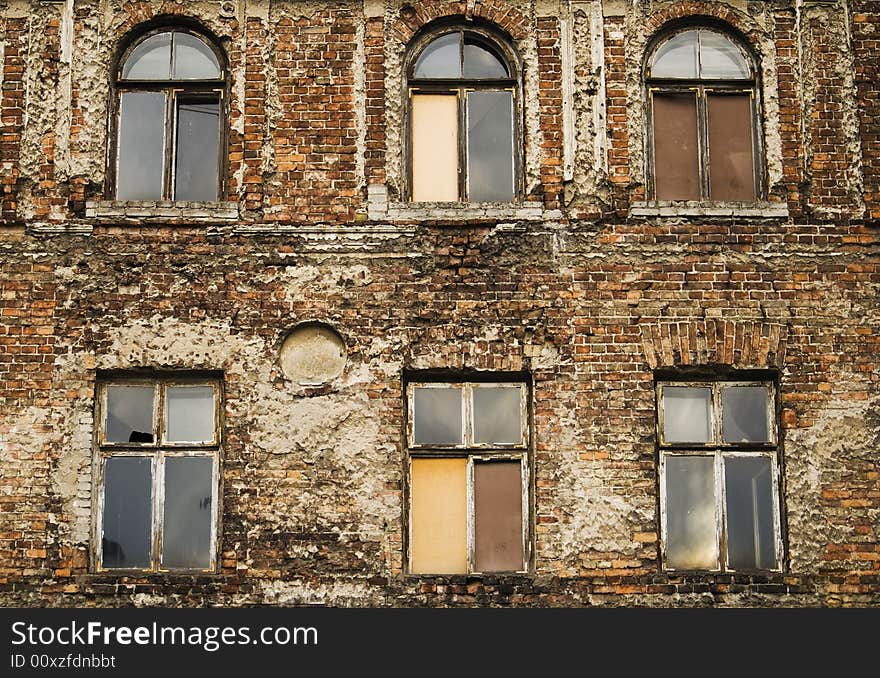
(741, 344)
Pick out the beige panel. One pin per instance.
(435, 147)
(439, 516)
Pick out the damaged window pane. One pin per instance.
(198, 138)
(686, 414)
(190, 412)
(126, 539)
(731, 157)
(186, 541)
(744, 414)
(690, 509)
(490, 146)
(498, 528)
(677, 57)
(751, 538)
(720, 58)
(676, 148)
(497, 413)
(129, 414)
(140, 169)
(481, 62)
(438, 416)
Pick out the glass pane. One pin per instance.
(127, 522)
(677, 57)
(141, 146)
(186, 537)
(190, 412)
(481, 62)
(129, 414)
(751, 536)
(498, 532)
(439, 516)
(497, 414)
(490, 146)
(691, 527)
(686, 415)
(744, 414)
(193, 59)
(731, 168)
(150, 60)
(676, 153)
(440, 59)
(198, 138)
(720, 58)
(438, 416)
(435, 147)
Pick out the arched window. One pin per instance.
(463, 90)
(169, 118)
(703, 137)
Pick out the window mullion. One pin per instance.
(703, 141)
(170, 142)
(471, 560)
(463, 193)
(158, 499)
(720, 507)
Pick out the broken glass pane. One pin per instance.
(150, 60)
(193, 59)
(186, 537)
(440, 59)
(744, 414)
(677, 57)
(129, 414)
(751, 537)
(198, 134)
(691, 528)
(141, 146)
(481, 62)
(497, 415)
(190, 414)
(127, 519)
(490, 146)
(438, 416)
(686, 416)
(720, 58)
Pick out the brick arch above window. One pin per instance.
(743, 344)
(717, 13)
(495, 12)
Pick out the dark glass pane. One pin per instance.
(676, 153)
(686, 416)
(481, 62)
(731, 155)
(197, 160)
(190, 412)
(141, 146)
(720, 58)
(440, 59)
(497, 414)
(150, 60)
(490, 146)
(193, 59)
(677, 57)
(438, 416)
(744, 414)
(129, 414)
(691, 527)
(498, 533)
(751, 536)
(127, 522)
(186, 536)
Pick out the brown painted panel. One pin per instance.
(498, 516)
(731, 155)
(439, 516)
(676, 150)
(435, 147)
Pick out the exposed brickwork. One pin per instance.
(866, 44)
(12, 110)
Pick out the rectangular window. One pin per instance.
(158, 470)
(468, 449)
(718, 475)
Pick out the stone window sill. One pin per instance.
(473, 212)
(162, 211)
(755, 210)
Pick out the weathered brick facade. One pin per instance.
(583, 284)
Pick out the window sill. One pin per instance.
(444, 212)
(162, 211)
(663, 208)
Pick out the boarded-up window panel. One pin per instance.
(498, 533)
(439, 516)
(435, 147)
(731, 154)
(676, 151)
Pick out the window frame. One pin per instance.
(701, 88)
(157, 452)
(719, 451)
(207, 89)
(496, 42)
(473, 453)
